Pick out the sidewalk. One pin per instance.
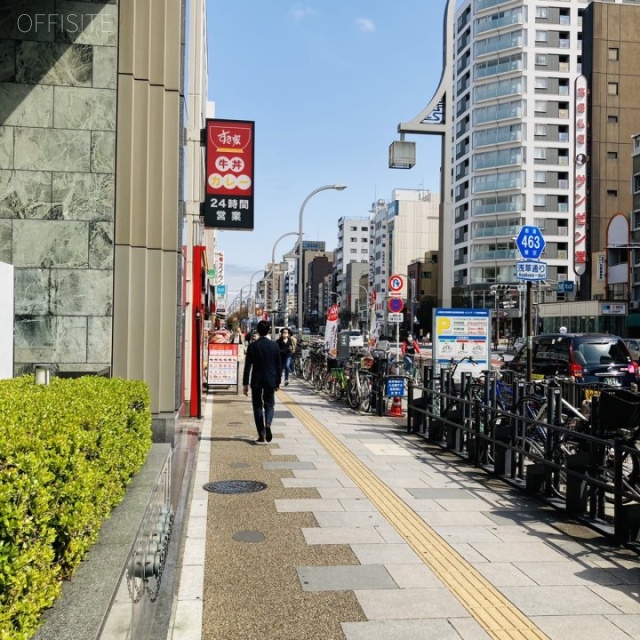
(364, 531)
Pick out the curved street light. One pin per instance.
(337, 187)
(273, 280)
(249, 316)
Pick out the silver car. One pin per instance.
(634, 348)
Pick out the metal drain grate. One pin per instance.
(234, 486)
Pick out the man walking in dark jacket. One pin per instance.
(263, 371)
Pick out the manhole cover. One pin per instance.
(234, 486)
(249, 536)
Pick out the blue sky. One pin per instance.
(327, 83)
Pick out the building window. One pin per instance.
(540, 130)
(614, 52)
(539, 200)
(541, 59)
(540, 106)
(541, 36)
(540, 176)
(612, 155)
(612, 88)
(542, 82)
(636, 183)
(540, 153)
(541, 223)
(612, 193)
(542, 12)
(612, 119)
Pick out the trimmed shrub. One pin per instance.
(67, 452)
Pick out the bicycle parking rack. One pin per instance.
(494, 438)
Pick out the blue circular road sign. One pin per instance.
(530, 242)
(395, 305)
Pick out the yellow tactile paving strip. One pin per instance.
(499, 617)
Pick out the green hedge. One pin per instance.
(67, 453)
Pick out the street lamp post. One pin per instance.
(337, 187)
(273, 280)
(249, 316)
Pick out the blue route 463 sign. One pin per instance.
(530, 242)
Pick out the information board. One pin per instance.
(460, 333)
(222, 366)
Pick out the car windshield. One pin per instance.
(609, 352)
(554, 349)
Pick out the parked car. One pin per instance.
(588, 357)
(634, 348)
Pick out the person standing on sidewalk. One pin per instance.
(287, 346)
(263, 371)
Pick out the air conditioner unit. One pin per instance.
(634, 305)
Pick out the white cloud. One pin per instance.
(366, 24)
(298, 12)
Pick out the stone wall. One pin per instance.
(58, 79)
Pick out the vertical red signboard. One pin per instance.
(580, 180)
(230, 174)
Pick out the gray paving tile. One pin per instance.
(436, 494)
(630, 624)
(410, 604)
(451, 518)
(413, 576)
(341, 492)
(624, 596)
(362, 504)
(288, 465)
(580, 627)
(566, 573)
(435, 629)
(558, 601)
(385, 554)
(462, 533)
(517, 552)
(469, 629)
(345, 578)
(342, 535)
(350, 519)
(298, 505)
(297, 483)
(504, 574)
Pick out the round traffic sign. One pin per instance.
(396, 282)
(395, 305)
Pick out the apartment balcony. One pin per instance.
(496, 232)
(498, 254)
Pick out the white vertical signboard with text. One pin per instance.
(6, 320)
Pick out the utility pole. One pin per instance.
(529, 330)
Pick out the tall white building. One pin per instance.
(353, 246)
(401, 230)
(516, 62)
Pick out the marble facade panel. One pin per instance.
(103, 152)
(82, 292)
(26, 105)
(50, 243)
(47, 63)
(25, 194)
(7, 61)
(52, 149)
(6, 147)
(99, 340)
(82, 108)
(22, 21)
(87, 22)
(105, 67)
(33, 289)
(83, 196)
(50, 339)
(100, 245)
(5, 241)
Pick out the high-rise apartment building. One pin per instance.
(353, 246)
(401, 229)
(515, 67)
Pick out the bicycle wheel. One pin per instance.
(307, 371)
(366, 386)
(353, 393)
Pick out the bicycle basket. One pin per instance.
(618, 409)
(366, 363)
